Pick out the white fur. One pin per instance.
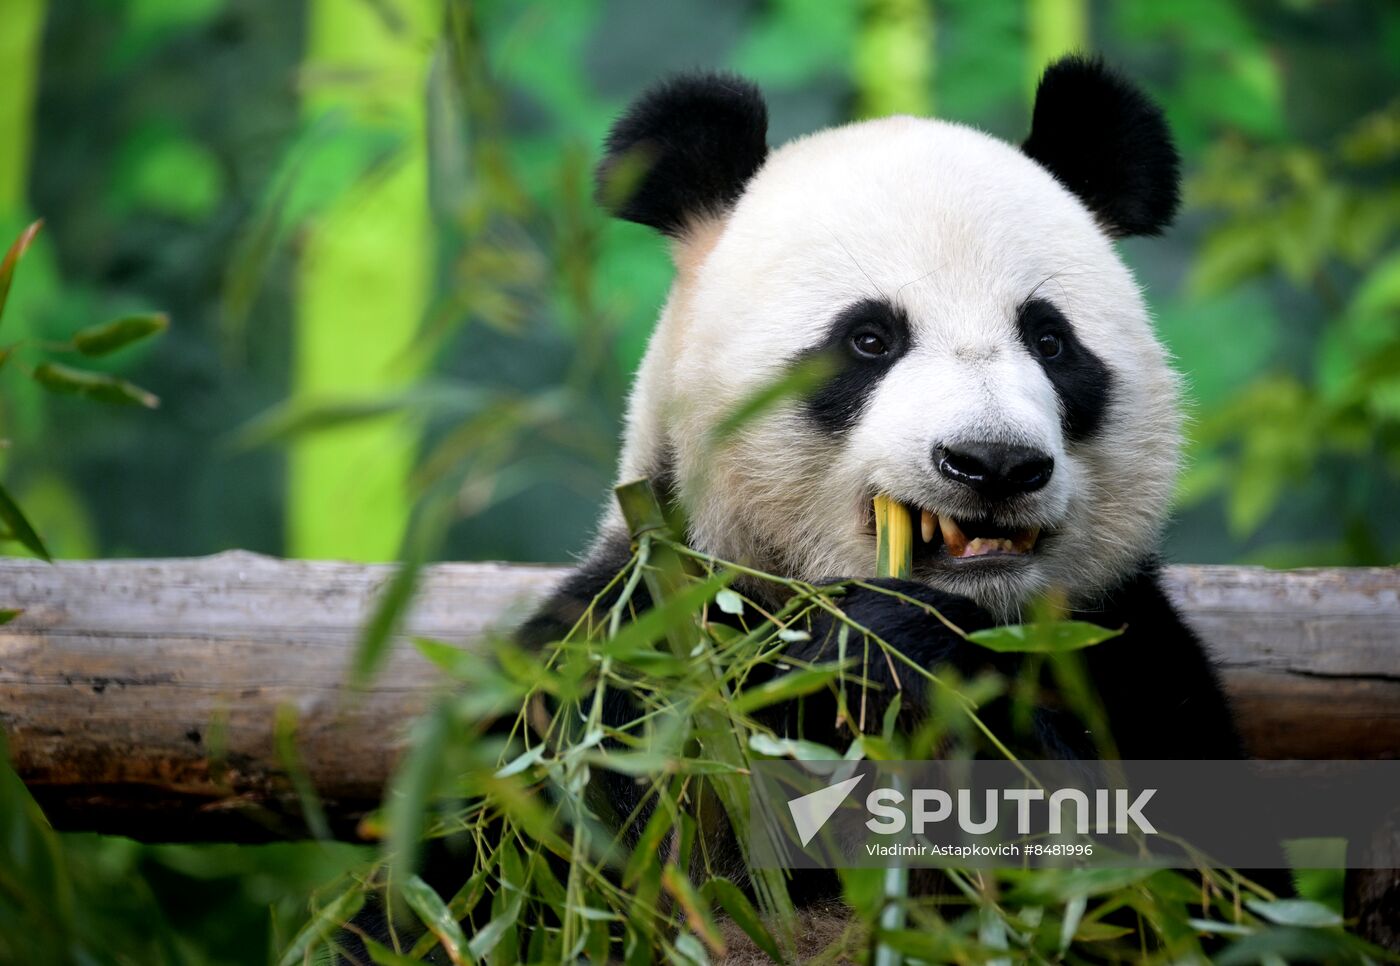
(959, 229)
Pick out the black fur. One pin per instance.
(1081, 380)
(1159, 688)
(837, 405)
(1107, 142)
(684, 150)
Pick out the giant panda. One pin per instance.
(996, 372)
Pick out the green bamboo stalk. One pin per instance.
(1053, 28)
(665, 574)
(894, 557)
(21, 49)
(894, 57)
(362, 283)
(20, 42)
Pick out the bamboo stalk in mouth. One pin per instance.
(894, 539)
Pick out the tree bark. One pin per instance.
(140, 696)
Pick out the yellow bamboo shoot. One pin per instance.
(894, 539)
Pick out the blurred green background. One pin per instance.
(376, 215)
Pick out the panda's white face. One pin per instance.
(997, 372)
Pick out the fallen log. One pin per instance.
(139, 696)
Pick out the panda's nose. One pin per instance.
(995, 470)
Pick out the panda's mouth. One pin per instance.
(941, 538)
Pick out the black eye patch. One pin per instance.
(864, 341)
(1081, 380)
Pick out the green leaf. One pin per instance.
(1056, 637)
(414, 784)
(299, 416)
(454, 660)
(1061, 885)
(1294, 912)
(434, 914)
(378, 632)
(489, 936)
(98, 340)
(738, 907)
(92, 385)
(19, 527)
(797, 381)
(729, 602)
(697, 911)
(8, 614)
(12, 257)
(642, 634)
(332, 917)
(1074, 913)
(786, 687)
(285, 741)
(946, 947)
(382, 955)
(792, 748)
(1220, 928)
(522, 762)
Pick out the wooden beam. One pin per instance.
(139, 696)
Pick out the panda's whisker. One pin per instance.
(915, 281)
(837, 238)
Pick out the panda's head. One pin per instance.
(994, 365)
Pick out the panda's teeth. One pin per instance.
(927, 523)
(953, 536)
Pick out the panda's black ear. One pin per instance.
(1108, 142)
(683, 151)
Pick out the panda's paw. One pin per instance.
(890, 603)
(886, 631)
(913, 618)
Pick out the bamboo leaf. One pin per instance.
(696, 909)
(12, 257)
(434, 914)
(1043, 638)
(1294, 912)
(738, 907)
(413, 785)
(729, 602)
(8, 614)
(799, 381)
(522, 762)
(284, 733)
(389, 610)
(641, 634)
(792, 685)
(382, 955)
(792, 747)
(1074, 913)
(19, 527)
(288, 420)
(92, 385)
(489, 936)
(332, 916)
(98, 340)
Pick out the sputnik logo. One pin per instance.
(810, 812)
